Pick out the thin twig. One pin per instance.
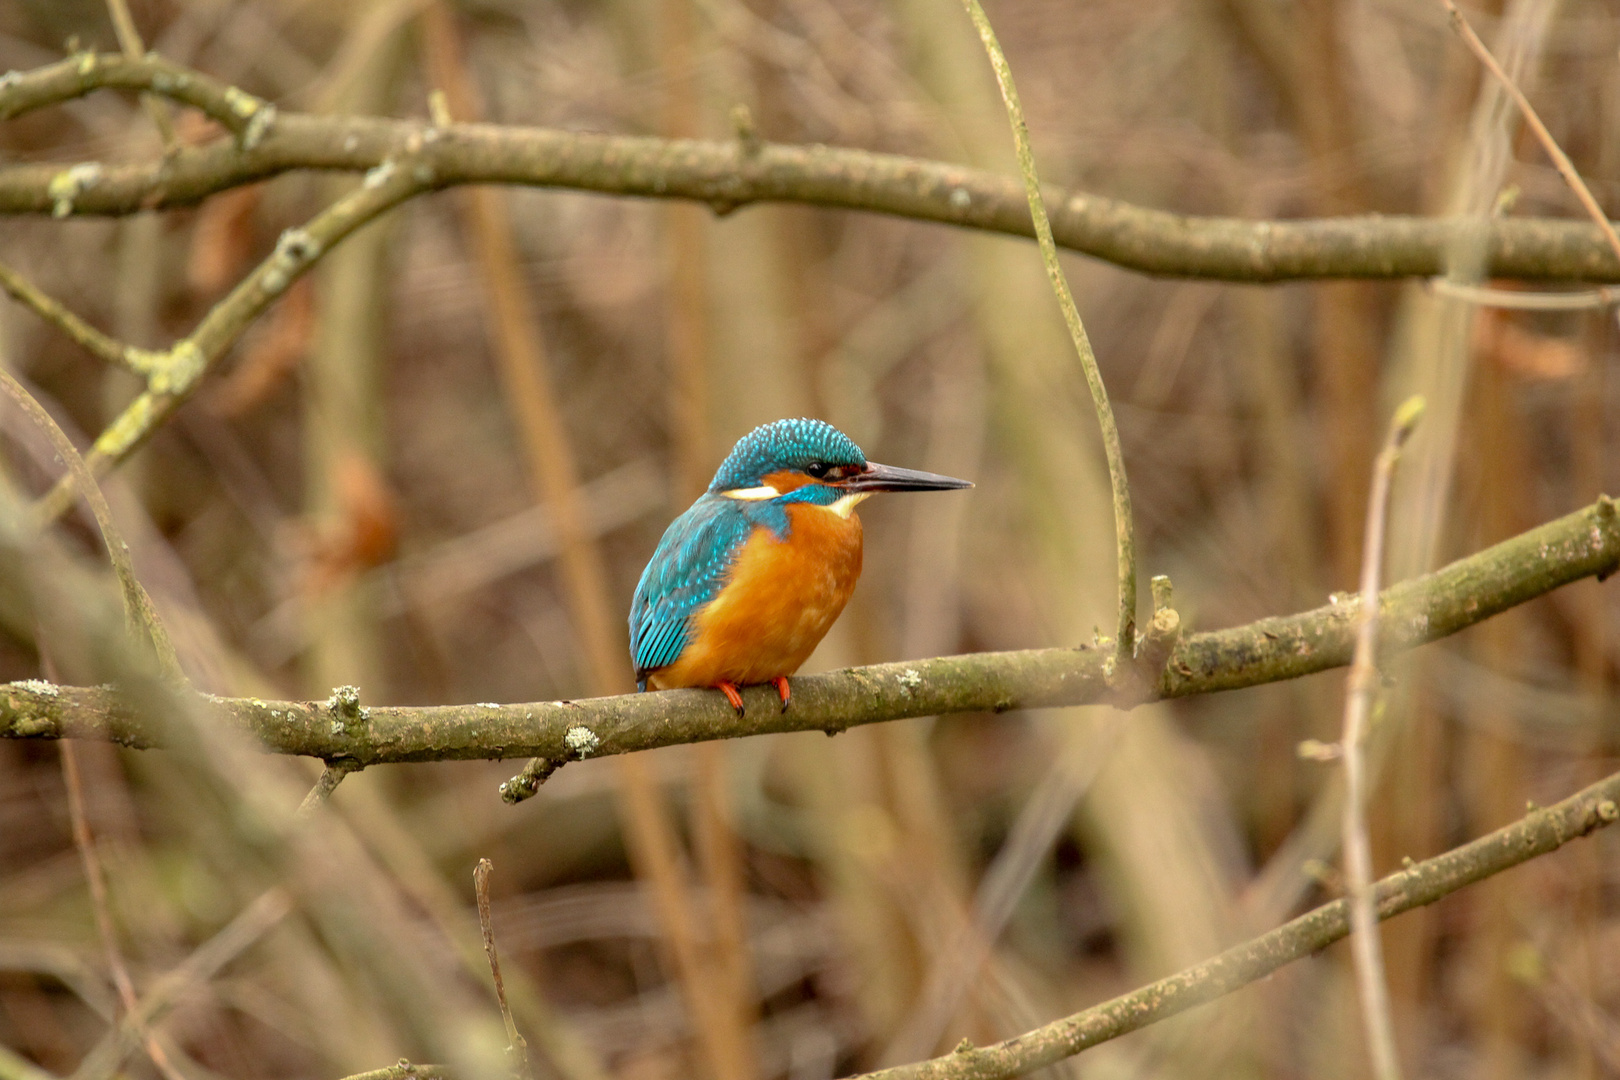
(517, 1051)
(331, 776)
(1538, 833)
(129, 39)
(100, 906)
(139, 613)
(1560, 160)
(1513, 299)
(106, 349)
(1359, 690)
(1124, 528)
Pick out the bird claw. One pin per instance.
(782, 691)
(730, 690)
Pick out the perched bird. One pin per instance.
(745, 584)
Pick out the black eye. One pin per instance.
(816, 469)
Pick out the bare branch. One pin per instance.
(325, 784)
(517, 1050)
(727, 175)
(406, 1071)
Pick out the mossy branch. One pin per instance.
(1582, 544)
(730, 174)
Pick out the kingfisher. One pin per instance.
(747, 581)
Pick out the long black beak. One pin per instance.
(888, 478)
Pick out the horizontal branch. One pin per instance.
(727, 175)
(1539, 832)
(1582, 544)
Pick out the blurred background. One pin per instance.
(436, 469)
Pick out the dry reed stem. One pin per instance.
(1560, 160)
(1360, 689)
(1124, 525)
(253, 922)
(554, 475)
(687, 343)
(517, 1050)
(100, 906)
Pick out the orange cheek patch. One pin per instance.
(787, 480)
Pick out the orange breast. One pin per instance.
(780, 601)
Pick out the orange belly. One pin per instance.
(781, 599)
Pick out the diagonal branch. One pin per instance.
(176, 372)
(1538, 833)
(1583, 544)
(727, 175)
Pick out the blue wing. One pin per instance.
(688, 569)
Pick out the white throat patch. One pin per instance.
(846, 505)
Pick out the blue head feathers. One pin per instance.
(784, 444)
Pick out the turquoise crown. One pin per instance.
(784, 444)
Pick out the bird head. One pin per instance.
(811, 461)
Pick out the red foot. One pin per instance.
(730, 690)
(782, 691)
